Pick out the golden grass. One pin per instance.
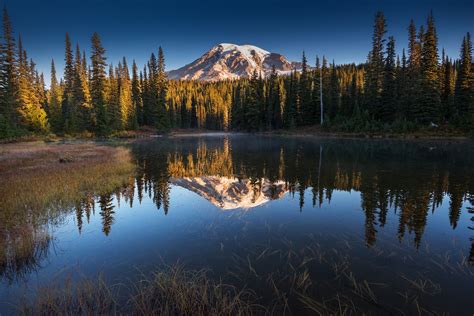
(34, 176)
(39, 184)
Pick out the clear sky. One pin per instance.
(186, 29)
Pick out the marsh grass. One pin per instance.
(40, 184)
(86, 297)
(35, 177)
(171, 290)
(269, 279)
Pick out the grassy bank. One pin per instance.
(40, 184)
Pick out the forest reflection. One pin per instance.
(408, 179)
(412, 179)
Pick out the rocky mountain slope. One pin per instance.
(229, 61)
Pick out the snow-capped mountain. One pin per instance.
(230, 61)
(232, 193)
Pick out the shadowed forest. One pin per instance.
(419, 89)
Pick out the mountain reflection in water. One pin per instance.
(379, 188)
(232, 193)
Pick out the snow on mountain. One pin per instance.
(232, 193)
(230, 61)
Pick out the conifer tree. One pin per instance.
(162, 119)
(447, 88)
(334, 93)
(68, 109)
(414, 69)
(98, 85)
(252, 114)
(54, 101)
(306, 110)
(114, 111)
(465, 83)
(375, 66)
(316, 94)
(429, 101)
(137, 104)
(81, 97)
(389, 92)
(125, 91)
(291, 104)
(404, 101)
(32, 114)
(8, 79)
(273, 114)
(147, 113)
(151, 97)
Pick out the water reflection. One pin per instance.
(410, 179)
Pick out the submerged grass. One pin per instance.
(267, 280)
(172, 290)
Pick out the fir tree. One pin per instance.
(413, 71)
(137, 104)
(32, 114)
(125, 96)
(316, 94)
(273, 114)
(68, 110)
(334, 93)
(8, 78)
(389, 93)
(81, 97)
(114, 112)
(98, 85)
(162, 120)
(291, 104)
(252, 114)
(429, 101)
(375, 66)
(305, 113)
(54, 101)
(465, 83)
(447, 88)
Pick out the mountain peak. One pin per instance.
(227, 61)
(248, 49)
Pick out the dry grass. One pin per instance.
(37, 175)
(39, 184)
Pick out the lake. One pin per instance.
(308, 225)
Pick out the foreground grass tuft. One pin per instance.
(172, 290)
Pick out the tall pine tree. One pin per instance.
(428, 106)
(98, 85)
(465, 83)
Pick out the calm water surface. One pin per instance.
(397, 215)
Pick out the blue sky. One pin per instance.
(186, 29)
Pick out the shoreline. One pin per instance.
(301, 132)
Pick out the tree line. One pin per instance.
(388, 91)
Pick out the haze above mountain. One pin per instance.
(230, 61)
